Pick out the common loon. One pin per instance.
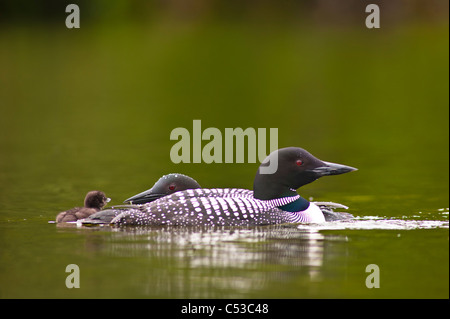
(274, 199)
(93, 202)
(174, 182)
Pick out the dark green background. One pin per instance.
(93, 108)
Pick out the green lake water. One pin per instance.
(93, 109)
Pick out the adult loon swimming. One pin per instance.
(93, 202)
(274, 199)
(174, 182)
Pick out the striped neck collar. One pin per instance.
(278, 202)
(290, 203)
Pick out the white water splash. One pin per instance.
(378, 222)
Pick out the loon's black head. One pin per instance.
(296, 167)
(166, 185)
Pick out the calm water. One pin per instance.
(94, 110)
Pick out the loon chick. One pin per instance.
(274, 199)
(93, 202)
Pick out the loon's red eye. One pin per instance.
(299, 162)
(172, 187)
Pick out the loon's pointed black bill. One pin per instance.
(332, 169)
(144, 197)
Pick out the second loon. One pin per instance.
(274, 199)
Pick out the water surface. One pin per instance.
(94, 110)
